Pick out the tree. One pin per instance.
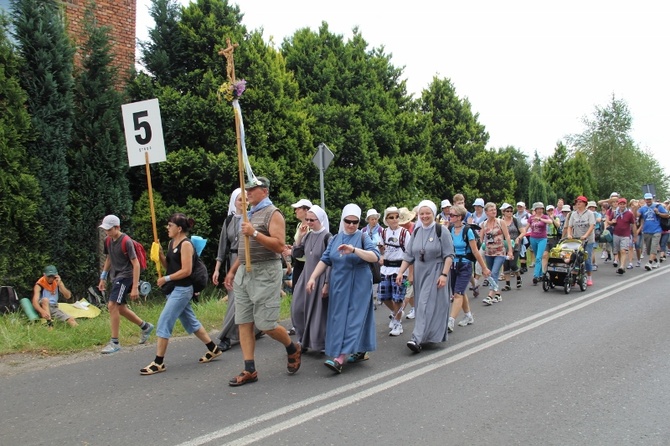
(97, 156)
(46, 75)
(22, 235)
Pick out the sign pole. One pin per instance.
(153, 211)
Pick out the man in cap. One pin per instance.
(122, 260)
(621, 221)
(45, 297)
(581, 225)
(257, 297)
(650, 215)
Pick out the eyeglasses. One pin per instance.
(311, 220)
(508, 210)
(351, 222)
(454, 215)
(392, 217)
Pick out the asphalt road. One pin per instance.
(539, 368)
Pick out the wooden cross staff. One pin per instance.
(227, 52)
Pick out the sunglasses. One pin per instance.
(392, 217)
(507, 210)
(311, 220)
(454, 215)
(351, 222)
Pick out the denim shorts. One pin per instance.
(178, 306)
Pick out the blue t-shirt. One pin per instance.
(460, 246)
(652, 222)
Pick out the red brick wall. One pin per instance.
(119, 15)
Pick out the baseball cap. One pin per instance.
(258, 182)
(110, 221)
(302, 203)
(648, 196)
(479, 202)
(622, 200)
(581, 198)
(521, 203)
(614, 194)
(50, 271)
(445, 203)
(505, 206)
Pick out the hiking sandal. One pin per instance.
(152, 369)
(209, 356)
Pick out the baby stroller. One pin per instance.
(566, 266)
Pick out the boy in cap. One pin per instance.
(45, 297)
(123, 261)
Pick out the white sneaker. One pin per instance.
(396, 330)
(467, 320)
(411, 314)
(655, 264)
(110, 348)
(450, 324)
(391, 323)
(603, 256)
(648, 266)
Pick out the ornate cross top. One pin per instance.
(227, 52)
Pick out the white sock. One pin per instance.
(468, 314)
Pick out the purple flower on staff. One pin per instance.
(239, 87)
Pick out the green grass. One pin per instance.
(19, 335)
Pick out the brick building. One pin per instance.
(119, 15)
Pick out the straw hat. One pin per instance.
(405, 216)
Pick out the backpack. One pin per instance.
(665, 223)
(199, 274)
(401, 239)
(139, 250)
(468, 251)
(9, 300)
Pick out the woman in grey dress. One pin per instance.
(309, 311)
(432, 255)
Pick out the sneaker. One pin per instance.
(488, 300)
(450, 324)
(110, 348)
(396, 330)
(630, 266)
(535, 280)
(467, 320)
(655, 264)
(589, 282)
(532, 265)
(144, 337)
(638, 264)
(648, 266)
(661, 259)
(391, 324)
(411, 314)
(620, 271)
(615, 264)
(412, 345)
(603, 256)
(594, 267)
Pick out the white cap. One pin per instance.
(505, 206)
(614, 194)
(372, 213)
(479, 202)
(565, 208)
(445, 203)
(110, 221)
(302, 203)
(521, 203)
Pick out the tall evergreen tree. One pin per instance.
(97, 157)
(22, 235)
(46, 75)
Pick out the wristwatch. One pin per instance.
(255, 234)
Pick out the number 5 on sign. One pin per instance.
(144, 132)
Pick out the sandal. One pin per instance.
(518, 281)
(358, 357)
(152, 369)
(243, 378)
(475, 291)
(293, 364)
(209, 356)
(333, 365)
(506, 288)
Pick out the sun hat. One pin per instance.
(521, 203)
(445, 203)
(505, 206)
(405, 216)
(391, 210)
(372, 213)
(550, 207)
(479, 202)
(614, 194)
(591, 204)
(302, 203)
(50, 271)
(566, 208)
(110, 221)
(538, 205)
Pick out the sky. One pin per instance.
(531, 70)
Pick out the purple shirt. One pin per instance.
(537, 228)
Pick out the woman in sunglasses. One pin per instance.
(431, 251)
(350, 328)
(494, 234)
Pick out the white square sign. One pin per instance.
(144, 132)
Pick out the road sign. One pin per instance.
(323, 157)
(144, 132)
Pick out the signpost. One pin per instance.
(145, 144)
(322, 159)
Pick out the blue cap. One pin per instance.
(648, 196)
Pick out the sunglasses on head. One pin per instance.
(311, 220)
(351, 222)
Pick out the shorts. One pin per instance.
(57, 313)
(257, 296)
(177, 306)
(389, 290)
(460, 276)
(120, 290)
(651, 242)
(621, 243)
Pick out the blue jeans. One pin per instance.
(494, 263)
(589, 253)
(178, 306)
(538, 245)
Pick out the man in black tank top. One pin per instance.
(257, 291)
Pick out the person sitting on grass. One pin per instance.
(45, 297)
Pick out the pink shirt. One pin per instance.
(538, 228)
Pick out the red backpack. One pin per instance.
(139, 250)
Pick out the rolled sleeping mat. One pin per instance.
(28, 308)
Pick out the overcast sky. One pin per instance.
(532, 70)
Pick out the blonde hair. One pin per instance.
(460, 210)
(489, 205)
